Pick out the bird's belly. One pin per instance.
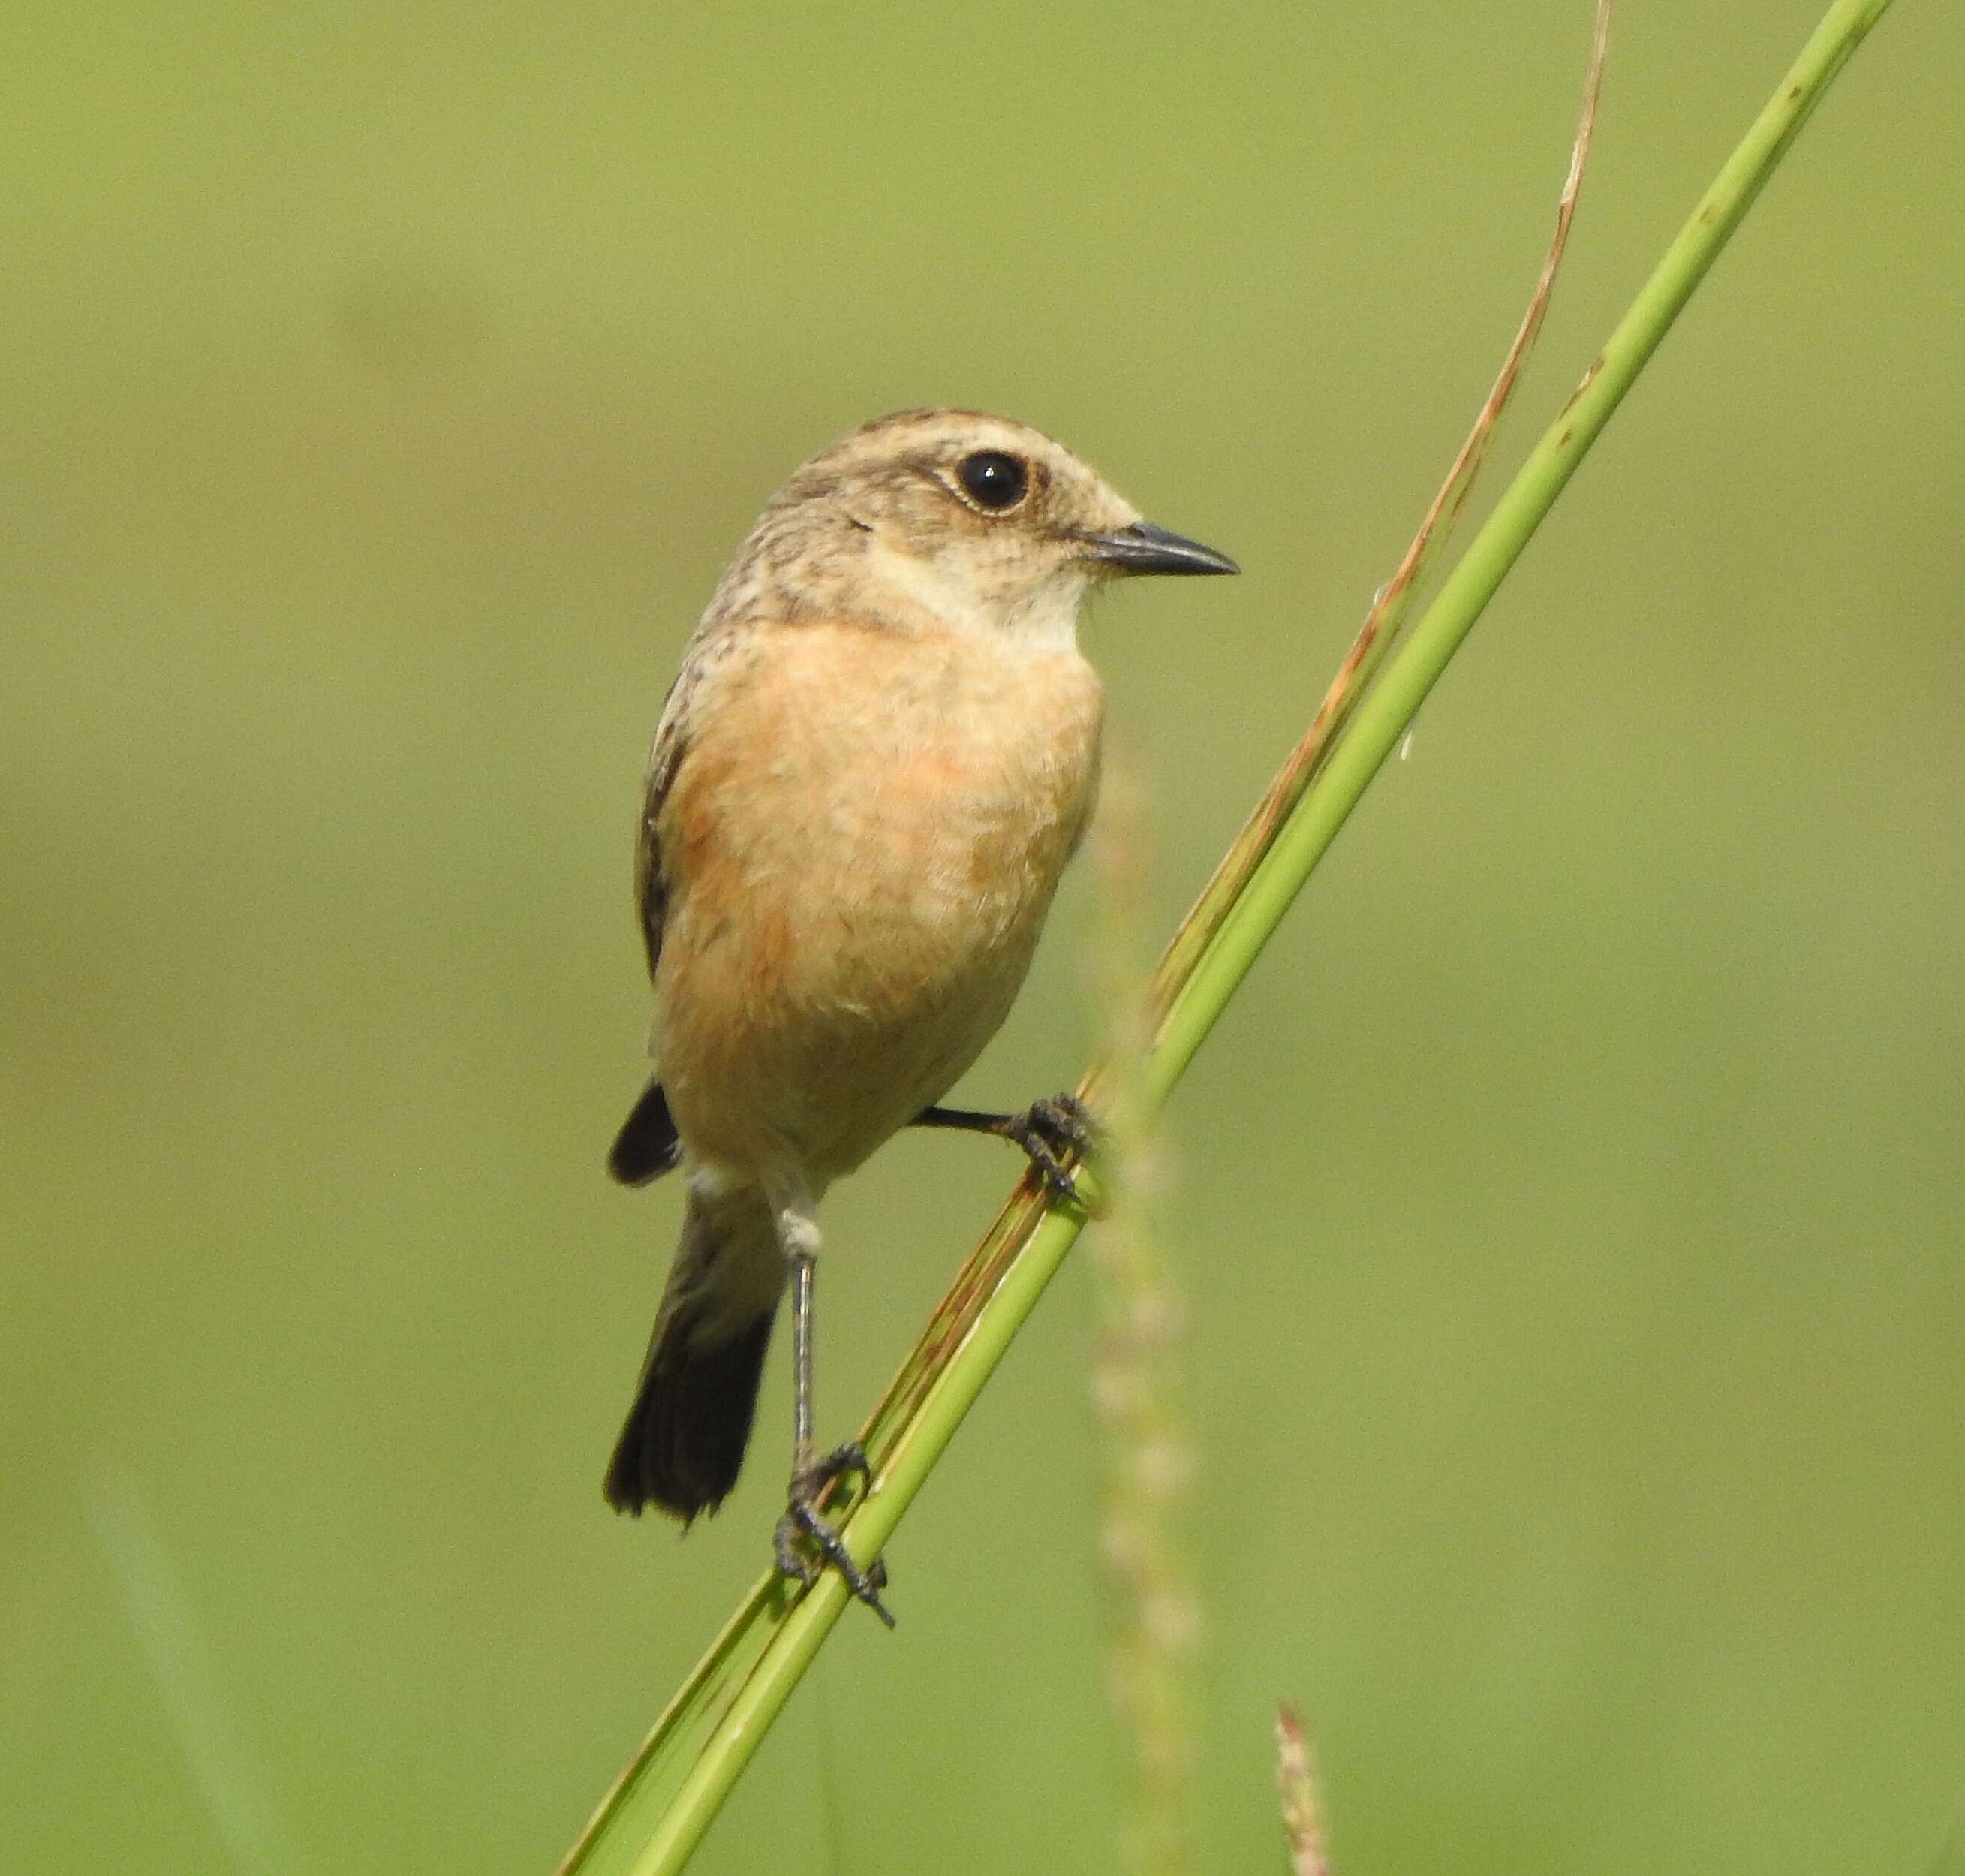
(847, 942)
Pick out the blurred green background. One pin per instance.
(1570, 1208)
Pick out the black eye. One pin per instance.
(992, 479)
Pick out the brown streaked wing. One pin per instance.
(710, 649)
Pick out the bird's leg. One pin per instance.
(1060, 1123)
(798, 1233)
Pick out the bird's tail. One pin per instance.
(684, 1443)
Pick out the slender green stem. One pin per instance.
(1381, 719)
(653, 1819)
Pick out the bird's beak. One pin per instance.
(1145, 548)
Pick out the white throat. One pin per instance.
(1044, 619)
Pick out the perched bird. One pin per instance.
(880, 751)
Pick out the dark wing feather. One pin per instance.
(648, 1145)
(664, 759)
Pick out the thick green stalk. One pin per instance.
(653, 1819)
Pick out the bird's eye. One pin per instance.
(993, 479)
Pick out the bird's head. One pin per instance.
(950, 520)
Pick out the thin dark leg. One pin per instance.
(1061, 1123)
(811, 1475)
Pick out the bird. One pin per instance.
(879, 750)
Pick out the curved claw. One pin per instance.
(802, 1521)
(1059, 1121)
(843, 1462)
(1048, 1166)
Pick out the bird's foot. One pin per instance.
(802, 1530)
(1047, 1129)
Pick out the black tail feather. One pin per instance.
(684, 1443)
(648, 1145)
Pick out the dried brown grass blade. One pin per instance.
(1388, 607)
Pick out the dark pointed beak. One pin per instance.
(1145, 548)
